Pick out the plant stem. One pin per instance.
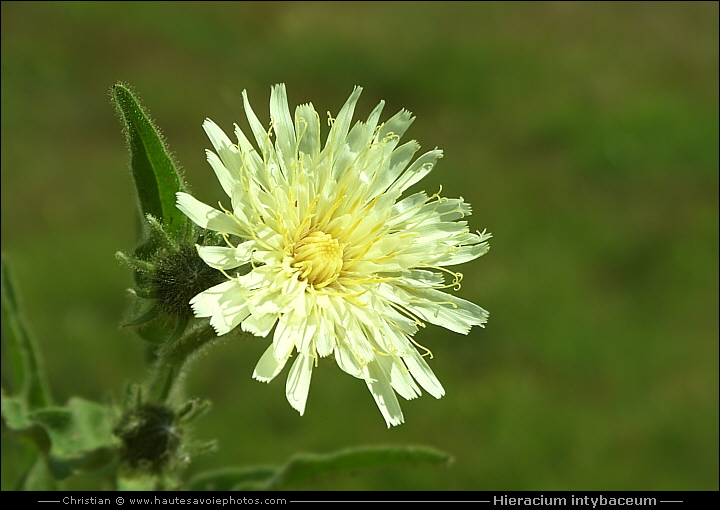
(173, 358)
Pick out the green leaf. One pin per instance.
(231, 478)
(15, 421)
(137, 482)
(28, 377)
(81, 425)
(303, 467)
(152, 312)
(134, 480)
(38, 478)
(306, 466)
(81, 437)
(73, 439)
(156, 177)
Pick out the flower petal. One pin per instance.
(227, 162)
(221, 257)
(285, 140)
(259, 325)
(382, 391)
(419, 169)
(268, 366)
(298, 382)
(208, 301)
(206, 216)
(446, 310)
(423, 374)
(307, 126)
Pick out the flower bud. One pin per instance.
(168, 274)
(150, 437)
(178, 278)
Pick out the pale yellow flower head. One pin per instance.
(341, 264)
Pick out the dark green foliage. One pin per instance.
(156, 176)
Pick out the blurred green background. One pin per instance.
(585, 136)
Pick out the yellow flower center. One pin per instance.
(319, 257)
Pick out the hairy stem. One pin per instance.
(173, 359)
